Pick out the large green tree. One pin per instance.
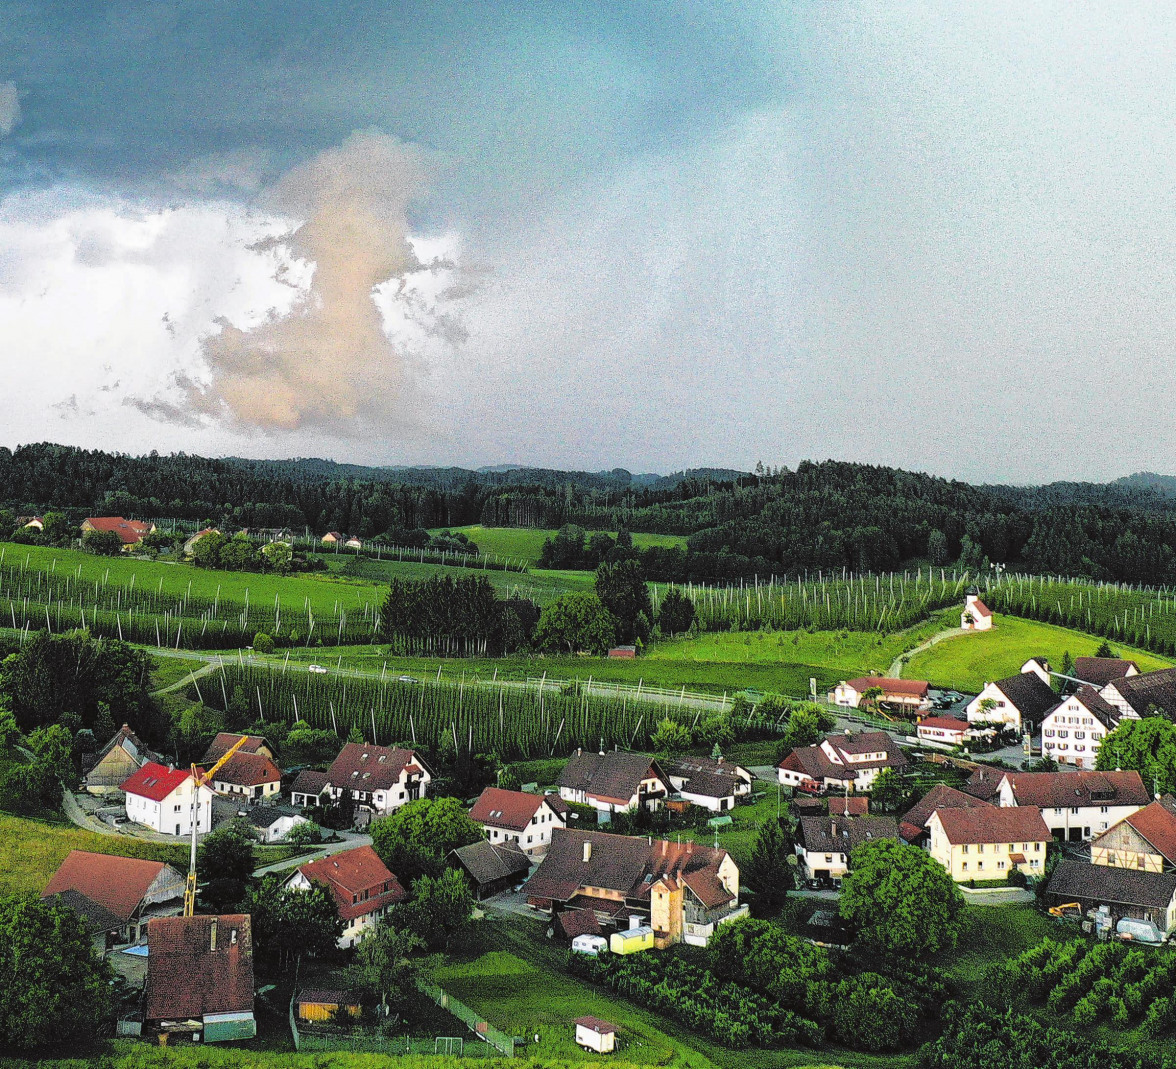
(387, 965)
(900, 899)
(54, 987)
(441, 907)
(622, 590)
(289, 923)
(1148, 746)
(768, 872)
(676, 613)
(575, 623)
(415, 839)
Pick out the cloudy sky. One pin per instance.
(646, 234)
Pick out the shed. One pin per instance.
(623, 652)
(631, 941)
(324, 1004)
(594, 1034)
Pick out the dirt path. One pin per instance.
(896, 667)
(198, 673)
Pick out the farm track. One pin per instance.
(895, 671)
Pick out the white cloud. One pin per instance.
(9, 107)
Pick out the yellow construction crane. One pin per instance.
(202, 779)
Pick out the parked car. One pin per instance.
(407, 679)
(317, 669)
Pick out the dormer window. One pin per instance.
(383, 758)
(365, 757)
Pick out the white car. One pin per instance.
(318, 669)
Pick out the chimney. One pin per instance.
(212, 935)
(587, 852)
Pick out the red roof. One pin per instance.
(979, 608)
(505, 809)
(224, 742)
(352, 874)
(595, 1024)
(906, 688)
(155, 781)
(187, 978)
(117, 883)
(993, 824)
(130, 531)
(945, 723)
(248, 770)
(364, 767)
(1157, 824)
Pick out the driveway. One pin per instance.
(512, 904)
(351, 841)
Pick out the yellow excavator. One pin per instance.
(202, 779)
(1066, 909)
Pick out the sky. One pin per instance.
(652, 235)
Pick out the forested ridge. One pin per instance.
(820, 516)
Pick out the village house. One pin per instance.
(378, 779)
(526, 820)
(360, 884)
(976, 615)
(898, 693)
(200, 978)
(710, 782)
(1076, 806)
(248, 777)
(681, 890)
(1140, 695)
(943, 729)
(1016, 703)
(35, 523)
(491, 867)
(613, 782)
(1072, 730)
(1099, 671)
(354, 543)
(912, 825)
(117, 895)
(224, 741)
(272, 823)
(1144, 841)
(841, 762)
(191, 540)
(160, 798)
(120, 758)
(1123, 892)
(332, 538)
(132, 532)
(824, 844)
(988, 843)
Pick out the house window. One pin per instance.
(1103, 809)
(1073, 809)
(964, 849)
(979, 864)
(1079, 734)
(1000, 865)
(1142, 862)
(964, 866)
(1049, 733)
(1037, 847)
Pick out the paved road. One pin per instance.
(351, 841)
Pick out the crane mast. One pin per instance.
(202, 779)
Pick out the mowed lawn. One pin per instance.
(326, 593)
(526, 543)
(966, 662)
(993, 934)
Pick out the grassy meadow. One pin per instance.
(526, 543)
(968, 661)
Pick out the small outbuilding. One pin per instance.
(596, 1035)
(325, 1004)
(632, 940)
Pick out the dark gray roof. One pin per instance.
(1151, 688)
(615, 774)
(487, 862)
(1029, 695)
(263, 816)
(1081, 881)
(844, 834)
(308, 781)
(99, 917)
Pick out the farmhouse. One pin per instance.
(1136, 696)
(900, 693)
(250, 777)
(1073, 729)
(160, 797)
(491, 867)
(613, 782)
(1144, 841)
(118, 895)
(1075, 805)
(988, 843)
(681, 890)
(912, 825)
(132, 532)
(377, 778)
(1013, 703)
(824, 844)
(226, 740)
(710, 782)
(272, 823)
(360, 884)
(526, 820)
(841, 762)
(1140, 895)
(200, 977)
(36, 523)
(120, 758)
(976, 615)
(1099, 671)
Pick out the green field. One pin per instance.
(526, 543)
(968, 661)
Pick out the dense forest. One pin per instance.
(821, 516)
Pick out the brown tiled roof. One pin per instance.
(1150, 688)
(223, 743)
(844, 834)
(1060, 790)
(308, 781)
(596, 1024)
(945, 723)
(984, 783)
(979, 608)
(1028, 694)
(710, 785)
(865, 742)
(126, 735)
(905, 688)
(1095, 704)
(1101, 670)
(811, 761)
(248, 770)
(186, 978)
(573, 922)
(629, 866)
(1157, 824)
(487, 862)
(1081, 881)
(350, 874)
(615, 775)
(118, 884)
(993, 824)
(130, 531)
(849, 805)
(98, 916)
(505, 809)
(941, 796)
(364, 767)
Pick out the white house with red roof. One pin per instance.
(976, 615)
(943, 729)
(362, 887)
(907, 693)
(249, 776)
(132, 532)
(160, 798)
(841, 762)
(377, 778)
(527, 820)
